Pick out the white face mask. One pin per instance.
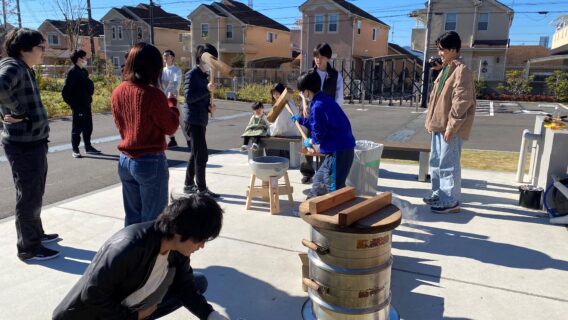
(206, 67)
(83, 63)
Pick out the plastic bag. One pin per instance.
(364, 173)
(283, 127)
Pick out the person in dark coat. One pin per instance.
(78, 94)
(144, 271)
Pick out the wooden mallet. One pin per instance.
(281, 103)
(216, 65)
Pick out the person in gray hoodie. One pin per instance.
(24, 137)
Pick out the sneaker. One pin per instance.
(190, 189)
(49, 237)
(254, 147)
(76, 154)
(42, 253)
(209, 193)
(306, 180)
(92, 150)
(173, 143)
(244, 148)
(442, 209)
(431, 200)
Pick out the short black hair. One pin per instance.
(196, 217)
(170, 52)
(257, 105)
(77, 54)
(309, 81)
(22, 39)
(449, 40)
(202, 48)
(323, 49)
(277, 87)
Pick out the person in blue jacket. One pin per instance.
(331, 130)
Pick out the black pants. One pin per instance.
(195, 173)
(172, 302)
(307, 166)
(29, 170)
(254, 140)
(82, 123)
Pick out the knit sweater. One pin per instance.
(143, 116)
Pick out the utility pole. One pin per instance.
(151, 22)
(4, 14)
(19, 15)
(425, 65)
(90, 30)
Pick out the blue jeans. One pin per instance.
(446, 169)
(332, 173)
(144, 186)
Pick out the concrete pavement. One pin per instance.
(494, 260)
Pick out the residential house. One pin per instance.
(352, 33)
(483, 26)
(126, 26)
(3, 32)
(60, 45)
(241, 34)
(560, 38)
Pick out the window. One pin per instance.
(119, 31)
(204, 30)
(115, 61)
(269, 37)
(483, 22)
(451, 21)
(229, 31)
(319, 24)
(139, 33)
(332, 26)
(113, 33)
(358, 26)
(374, 36)
(52, 39)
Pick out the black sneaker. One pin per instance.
(441, 209)
(49, 237)
(190, 189)
(42, 253)
(173, 143)
(92, 150)
(306, 180)
(431, 200)
(76, 153)
(209, 193)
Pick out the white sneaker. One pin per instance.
(254, 147)
(244, 148)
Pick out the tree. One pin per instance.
(557, 84)
(516, 83)
(72, 11)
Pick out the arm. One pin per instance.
(462, 100)
(9, 79)
(339, 89)
(192, 91)
(177, 80)
(164, 113)
(90, 84)
(191, 299)
(69, 88)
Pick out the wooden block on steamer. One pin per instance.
(331, 200)
(348, 216)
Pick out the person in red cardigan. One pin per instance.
(143, 116)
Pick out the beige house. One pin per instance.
(352, 33)
(483, 27)
(59, 46)
(126, 26)
(241, 34)
(560, 38)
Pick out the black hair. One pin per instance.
(323, 49)
(202, 48)
(170, 52)
(449, 40)
(309, 81)
(144, 64)
(257, 105)
(77, 54)
(196, 217)
(22, 39)
(277, 87)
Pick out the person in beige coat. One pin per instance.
(451, 110)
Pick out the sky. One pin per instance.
(528, 25)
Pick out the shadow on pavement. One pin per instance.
(71, 260)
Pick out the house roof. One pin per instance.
(402, 50)
(358, 11)
(247, 15)
(96, 27)
(214, 10)
(162, 19)
(124, 13)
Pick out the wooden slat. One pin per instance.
(331, 200)
(361, 210)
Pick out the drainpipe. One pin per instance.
(527, 136)
(218, 41)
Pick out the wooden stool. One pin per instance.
(270, 191)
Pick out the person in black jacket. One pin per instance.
(78, 94)
(196, 116)
(144, 272)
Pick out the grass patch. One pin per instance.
(482, 160)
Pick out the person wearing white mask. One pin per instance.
(78, 94)
(171, 81)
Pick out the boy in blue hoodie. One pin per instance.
(331, 130)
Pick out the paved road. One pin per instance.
(69, 177)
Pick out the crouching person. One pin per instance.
(143, 271)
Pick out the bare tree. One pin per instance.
(73, 12)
